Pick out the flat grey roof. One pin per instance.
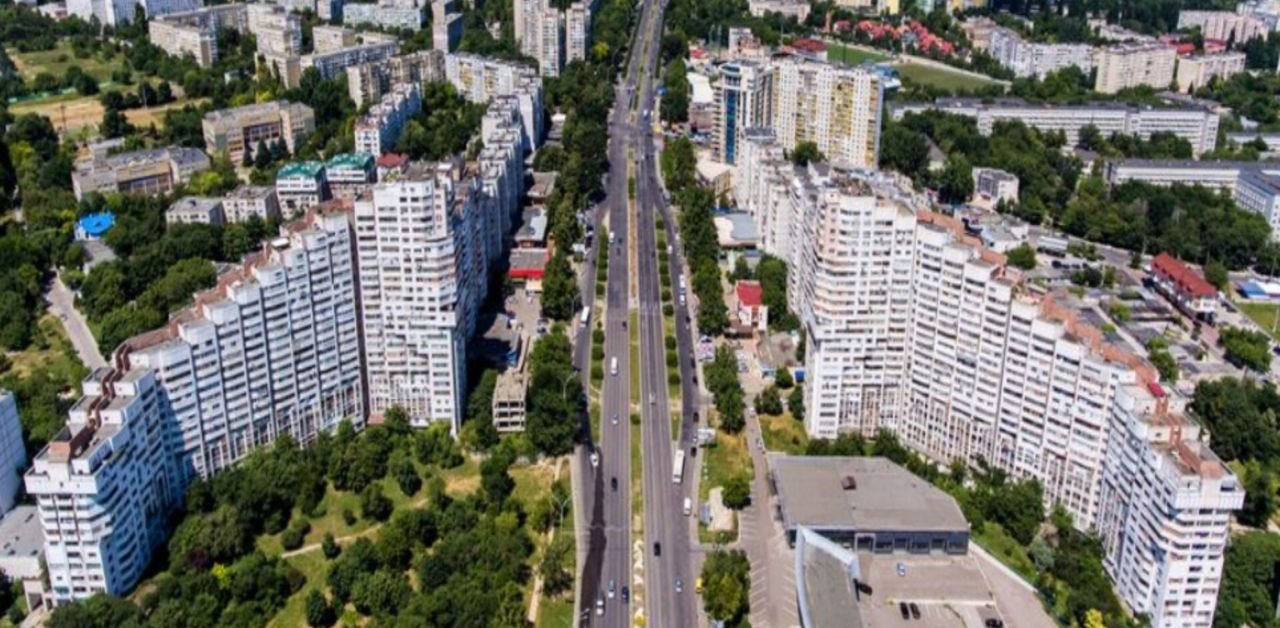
(887, 497)
(20, 533)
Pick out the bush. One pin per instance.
(670, 342)
(666, 294)
(374, 505)
(349, 517)
(667, 310)
(673, 379)
(672, 359)
(291, 539)
(597, 371)
(329, 546)
(737, 492)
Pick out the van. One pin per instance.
(613, 366)
(688, 506)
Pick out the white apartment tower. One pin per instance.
(104, 487)
(550, 40)
(744, 99)
(377, 131)
(1166, 510)
(415, 241)
(273, 349)
(577, 32)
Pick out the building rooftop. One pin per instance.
(194, 205)
(251, 192)
(392, 160)
(828, 492)
(94, 225)
(528, 259)
(351, 161)
(234, 113)
(749, 293)
(533, 227)
(21, 534)
(308, 169)
(1187, 281)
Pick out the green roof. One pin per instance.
(352, 161)
(310, 169)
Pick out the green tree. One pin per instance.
(737, 492)
(1022, 256)
(782, 378)
(805, 153)
(1259, 495)
(114, 124)
(559, 289)
(1246, 348)
(1216, 273)
(795, 403)
(956, 185)
(319, 612)
(374, 505)
(556, 567)
(769, 402)
(726, 584)
(904, 150)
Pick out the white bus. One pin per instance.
(677, 467)
(586, 315)
(613, 365)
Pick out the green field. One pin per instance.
(940, 77)
(1264, 314)
(852, 56)
(57, 61)
(784, 434)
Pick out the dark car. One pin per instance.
(626, 594)
(657, 548)
(902, 608)
(614, 483)
(993, 622)
(915, 610)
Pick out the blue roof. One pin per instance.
(1252, 290)
(97, 224)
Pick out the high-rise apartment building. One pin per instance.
(332, 63)
(914, 327)
(116, 12)
(238, 130)
(577, 32)
(550, 40)
(369, 82)
(1135, 65)
(744, 99)
(446, 26)
(273, 349)
(377, 131)
(13, 455)
(104, 487)
(394, 14)
(835, 107)
(277, 31)
(481, 79)
(1166, 508)
(1223, 25)
(1034, 59)
(1196, 71)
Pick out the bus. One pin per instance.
(677, 472)
(613, 366)
(586, 315)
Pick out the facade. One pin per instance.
(239, 129)
(1196, 125)
(13, 456)
(577, 32)
(1030, 59)
(446, 26)
(301, 185)
(481, 79)
(1219, 174)
(152, 171)
(1259, 191)
(1135, 65)
(377, 131)
(509, 395)
(104, 487)
(550, 40)
(787, 8)
(278, 31)
(392, 14)
(180, 40)
(1184, 287)
(349, 175)
(744, 99)
(273, 349)
(1197, 71)
(1223, 25)
(1167, 502)
(892, 298)
(195, 210)
(248, 201)
(837, 108)
(332, 38)
(332, 63)
(116, 12)
(995, 185)
(369, 82)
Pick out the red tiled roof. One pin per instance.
(749, 293)
(1188, 282)
(1156, 389)
(808, 45)
(392, 160)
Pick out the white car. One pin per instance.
(595, 459)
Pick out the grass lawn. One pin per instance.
(852, 56)
(1264, 314)
(633, 332)
(783, 433)
(556, 613)
(315, 567)
(727, 458)
(57, 61)
(51, 349)
(940, 77)
(995, 540)
(637, 473)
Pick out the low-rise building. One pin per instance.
(1223, 25)
(1197, 71)
(787, 8)
(1184, 287)
(509, 401)
(248, 201)
(301, 185)
(195, 210)
(151, 171)
(349, 174)
(868, 504)
(752, 314)
(240, 130)
(995, 185)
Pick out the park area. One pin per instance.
(1266, 315)
(942, 77)
(67, 109)
(850, 55)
